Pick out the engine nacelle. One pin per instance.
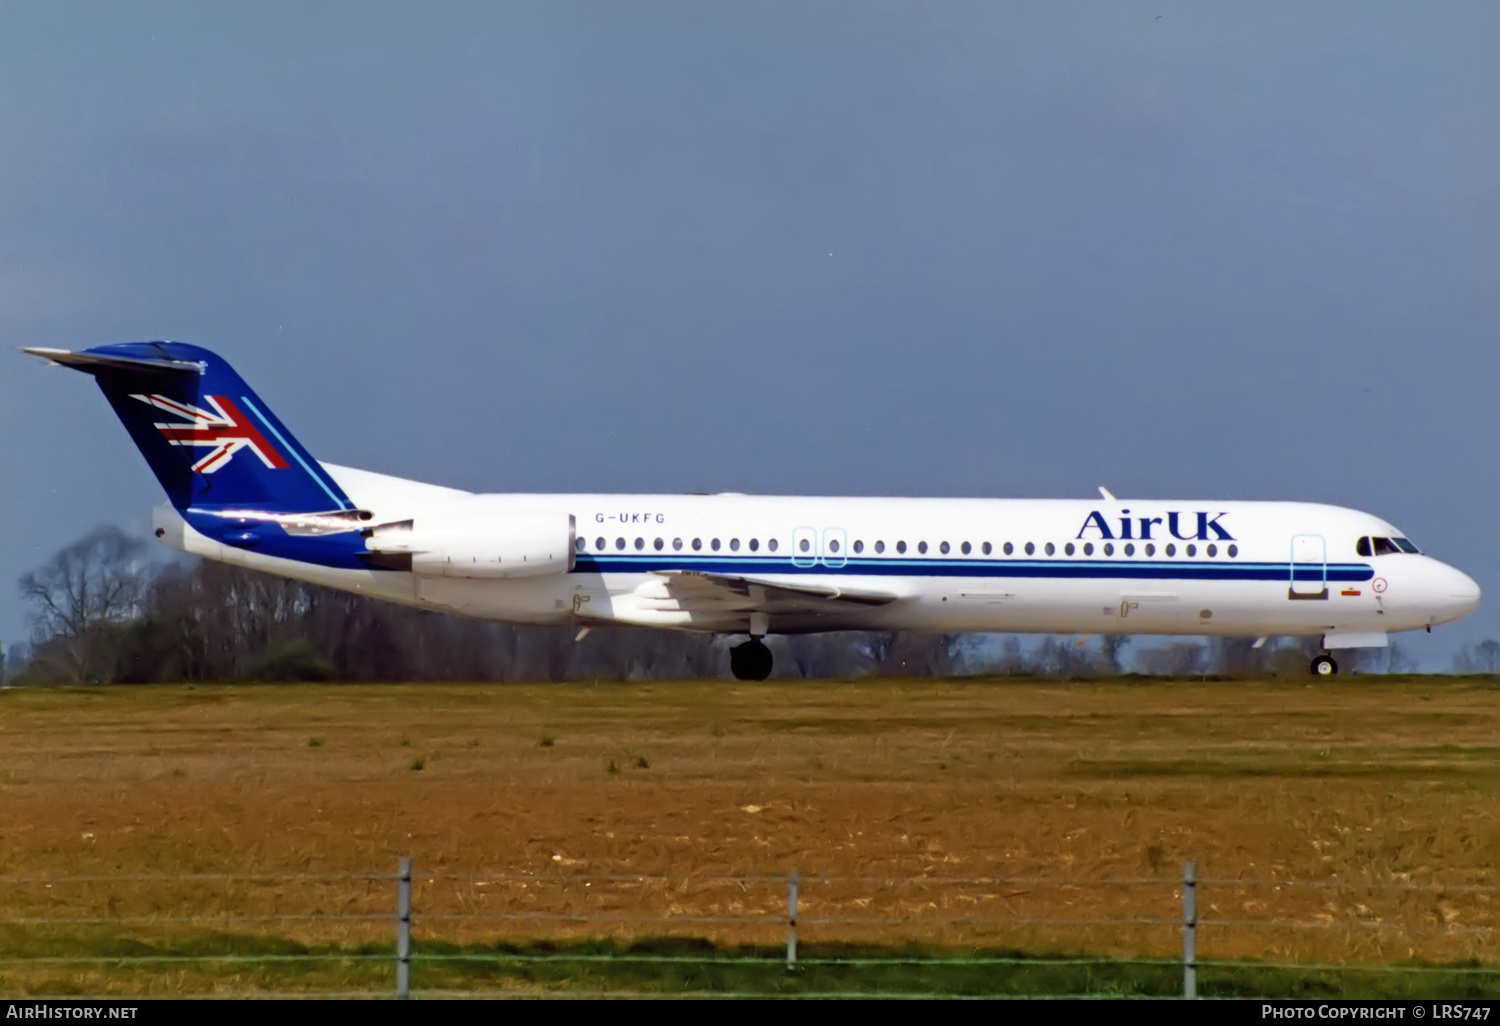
(492, 545)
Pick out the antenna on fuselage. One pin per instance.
(1105, 492)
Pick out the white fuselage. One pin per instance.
(953, 565)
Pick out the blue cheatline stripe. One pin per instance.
(1061, 568)
(295, 454)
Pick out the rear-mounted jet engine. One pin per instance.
(493, 546)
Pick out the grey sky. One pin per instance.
(1179, 249)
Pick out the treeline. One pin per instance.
(103, 611)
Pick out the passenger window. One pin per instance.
(1234, 550)
(879, 547)
(640, 544)
(659, 544)
(771, 544)
(1050, 548)
(697, 544)
(1129, 548)
(804, 545)
(1192, 550)
(734, 545)
(833, 546)
(859, 546)
(1088, 548)
(1030, 549)
(754, 544)
(1362, 548)
(901, 547)
(1213, 550)
(965, 548)
(714, 545)
(676, 544)
(599, 544)
(1109, 550)
(581, 544)
(922, 548)
(1009, 548)
(1171, 549)
(1068, 549)
(943, 548)
(1150, 549)
(987, 548)
(620, 544)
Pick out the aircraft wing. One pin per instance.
(734, 603)
(760, 595)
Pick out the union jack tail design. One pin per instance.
(224, 430)
(209, 439)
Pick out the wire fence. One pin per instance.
(443, 934)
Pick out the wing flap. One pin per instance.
(734, 587)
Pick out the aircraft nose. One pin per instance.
(1460, 595)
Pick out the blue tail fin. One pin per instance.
(207, 436)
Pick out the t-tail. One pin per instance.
(227, 463)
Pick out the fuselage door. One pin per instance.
(835, 547)
(805, 546)
(1309, 567)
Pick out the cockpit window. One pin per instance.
(1385, 547)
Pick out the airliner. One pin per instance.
(243, 489)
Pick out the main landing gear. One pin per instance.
(751, 660)
(1324, 666)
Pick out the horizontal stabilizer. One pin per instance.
(93, 363)
(335, 521)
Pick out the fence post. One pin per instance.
(1190, 930)
(403, 930)
(791, 923)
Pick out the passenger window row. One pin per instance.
(600, 544)
(1148, 549)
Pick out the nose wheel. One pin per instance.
(750, 661)
(1324, 666)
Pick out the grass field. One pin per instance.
(1372, 780)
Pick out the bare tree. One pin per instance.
(92, 585)
(1067, 657)
(1012, 661)
(1399, 660)
(1112, 648)
(910, 654)
(1175, 659)
(16, 658)
(1480, 657)
(1236, 657)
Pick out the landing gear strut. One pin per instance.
(750, 661)
(1324, 666)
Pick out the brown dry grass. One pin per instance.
(1359, 780)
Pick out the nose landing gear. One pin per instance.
(1324, 666)
(751, 660)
